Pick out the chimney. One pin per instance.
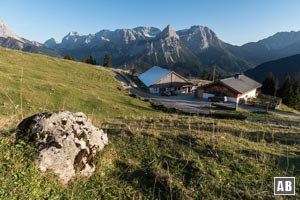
(237, 75)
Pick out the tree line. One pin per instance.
(90, 60)
(289, 90)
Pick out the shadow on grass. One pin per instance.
(290, 164)
(289, 138)
(150, 180)
(171, 165)
(7, 133)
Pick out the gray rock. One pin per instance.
(67, 142)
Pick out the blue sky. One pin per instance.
(234, 21)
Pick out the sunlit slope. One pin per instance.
(33, 83)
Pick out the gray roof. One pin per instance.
(153, 74)
(242, 84)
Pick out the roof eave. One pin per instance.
(171, 73)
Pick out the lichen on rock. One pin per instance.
(67, 142)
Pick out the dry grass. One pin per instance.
(151, 155)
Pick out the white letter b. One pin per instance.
(288, 186)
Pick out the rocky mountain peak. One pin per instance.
(168, 32)
(5, 31)
(199, 38)
(72, 40)
(51, 42)
(73, 33)
(203, 31)
(147, 31)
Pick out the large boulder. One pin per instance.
(67, 142)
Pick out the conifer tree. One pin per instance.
(285, 90)
(295, 83)
(294, 100)
(90, 60)
(269, 85)
(68, 57)
(106, 61)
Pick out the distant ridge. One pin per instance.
(288, 65)
(277, 46)
(9, 39)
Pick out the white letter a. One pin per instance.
(280, 186)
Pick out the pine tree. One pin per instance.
(68, 57)
(269, 85)
(285, 90)
(90, 60)
(295, 83)
(106, 61)
(294, 100)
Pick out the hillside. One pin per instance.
(289, 65)
(150, 155)
(52, 84)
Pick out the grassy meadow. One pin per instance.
(151, 154)
(34, 83)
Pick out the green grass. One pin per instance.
(257, 115)
(151, 155)
(53, 84)
(285, 108)
(165, 157)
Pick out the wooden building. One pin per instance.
(158, 80)
(236, 89)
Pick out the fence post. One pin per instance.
(267, 107)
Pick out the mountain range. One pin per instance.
(188, 51)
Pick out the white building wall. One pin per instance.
(246, 96)
(250, 94)
(232, 99)
(207, 95)
(229, 99)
